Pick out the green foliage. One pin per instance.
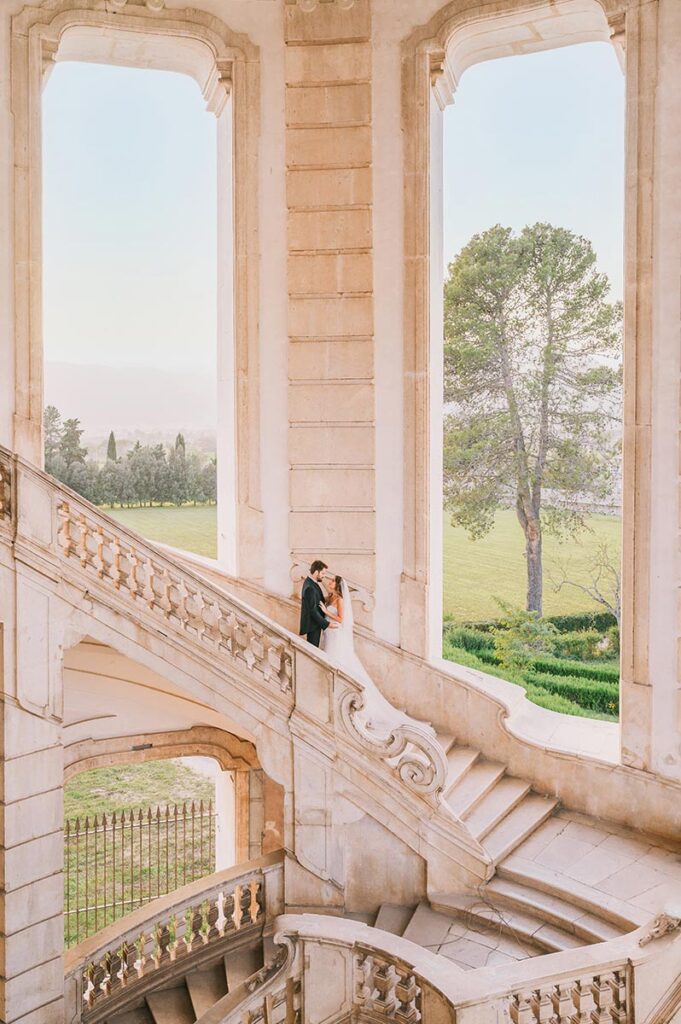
(591, 694)
(607, 673)
(581, 645)
(598, 620)
(613, 635)
(555, 702)
(472, 640)
(530, 374)
(147, 475)
(521, 636)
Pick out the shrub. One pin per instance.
(522, 636)
(597, 696)
(600, 621)
(554, 702)
(613, 635)
(582, 645)
(470, 639)
(557, 667)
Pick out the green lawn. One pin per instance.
(475, 572)
(121, 787)
(193, 528)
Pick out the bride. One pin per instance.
(339, 646)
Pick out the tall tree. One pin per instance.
(111, 452)
(180, 446)
(532, 372)
(70, 447)
(53, 432)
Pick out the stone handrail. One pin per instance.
(342, 967)
(170, 933)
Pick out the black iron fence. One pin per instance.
(115, 863)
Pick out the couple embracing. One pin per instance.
(326, 621)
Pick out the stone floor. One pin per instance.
(635, 869)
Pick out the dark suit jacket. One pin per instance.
(311, 617)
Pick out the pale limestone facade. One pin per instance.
(329, 135)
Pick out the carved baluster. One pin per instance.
(542, 1004)
(164, 601)
(385, 982)
(228, 625)
(583, 999)
(618, 984)
(122, 973)
(133, 581)
(196, 614)
(157, 939)
(604, 998)
(286, 672)
(520, 1007)
(172, 935)
(407, 993)
(89, 993)
(562, 1002)
(148, 592)
(204, 927)
(253, 906)
(211, 617)
(140, 945)
(116, 570)
(256, 649)
(64, 532)
(181, 604)
(98, 559)
(105, 983)
(189, 929)
(221, 922)
(237, 913)
(364, 979)
(83, 531)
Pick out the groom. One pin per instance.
(312, 619)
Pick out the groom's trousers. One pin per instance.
(314, 638)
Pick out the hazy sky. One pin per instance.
(130, 191)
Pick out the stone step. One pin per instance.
(474, 785)
(494, 807)
(459, 760)
(206, 986)
(241, 964)
(518, 825)
(171, 1006)
(521, 926)
(140, 1015)
(393, 917)
(608, 908)
(427, 928)
(446, 741)
(553, 910)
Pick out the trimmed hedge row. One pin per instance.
(563, 623)
(606, 673)
(598, 696)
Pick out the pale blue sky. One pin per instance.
(130, 191)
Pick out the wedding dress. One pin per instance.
(339, 647)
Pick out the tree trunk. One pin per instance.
(534, 566)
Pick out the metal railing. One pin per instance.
(115, 863)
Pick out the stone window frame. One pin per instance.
(226, 66)
(427, 75)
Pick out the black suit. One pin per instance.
(312, 620)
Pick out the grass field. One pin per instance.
(120, 787)
(193, 528)
(475, 572)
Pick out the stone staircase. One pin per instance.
(501, 811)
(185, 999)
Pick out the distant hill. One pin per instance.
(133, 400)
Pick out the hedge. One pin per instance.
(598, 696)
(471, 640)
(564, 667)
(563, 623)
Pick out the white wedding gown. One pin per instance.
(339, 647)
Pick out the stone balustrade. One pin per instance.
(131, 567)
(171, 934)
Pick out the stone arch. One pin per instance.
(225, 64)
(434, 56)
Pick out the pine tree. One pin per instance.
(70, 447)
(111, 453)
(53, 434)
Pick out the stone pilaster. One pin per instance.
(330, 357)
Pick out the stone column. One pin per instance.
(31, 791)
(330, 362)
(650, 701)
